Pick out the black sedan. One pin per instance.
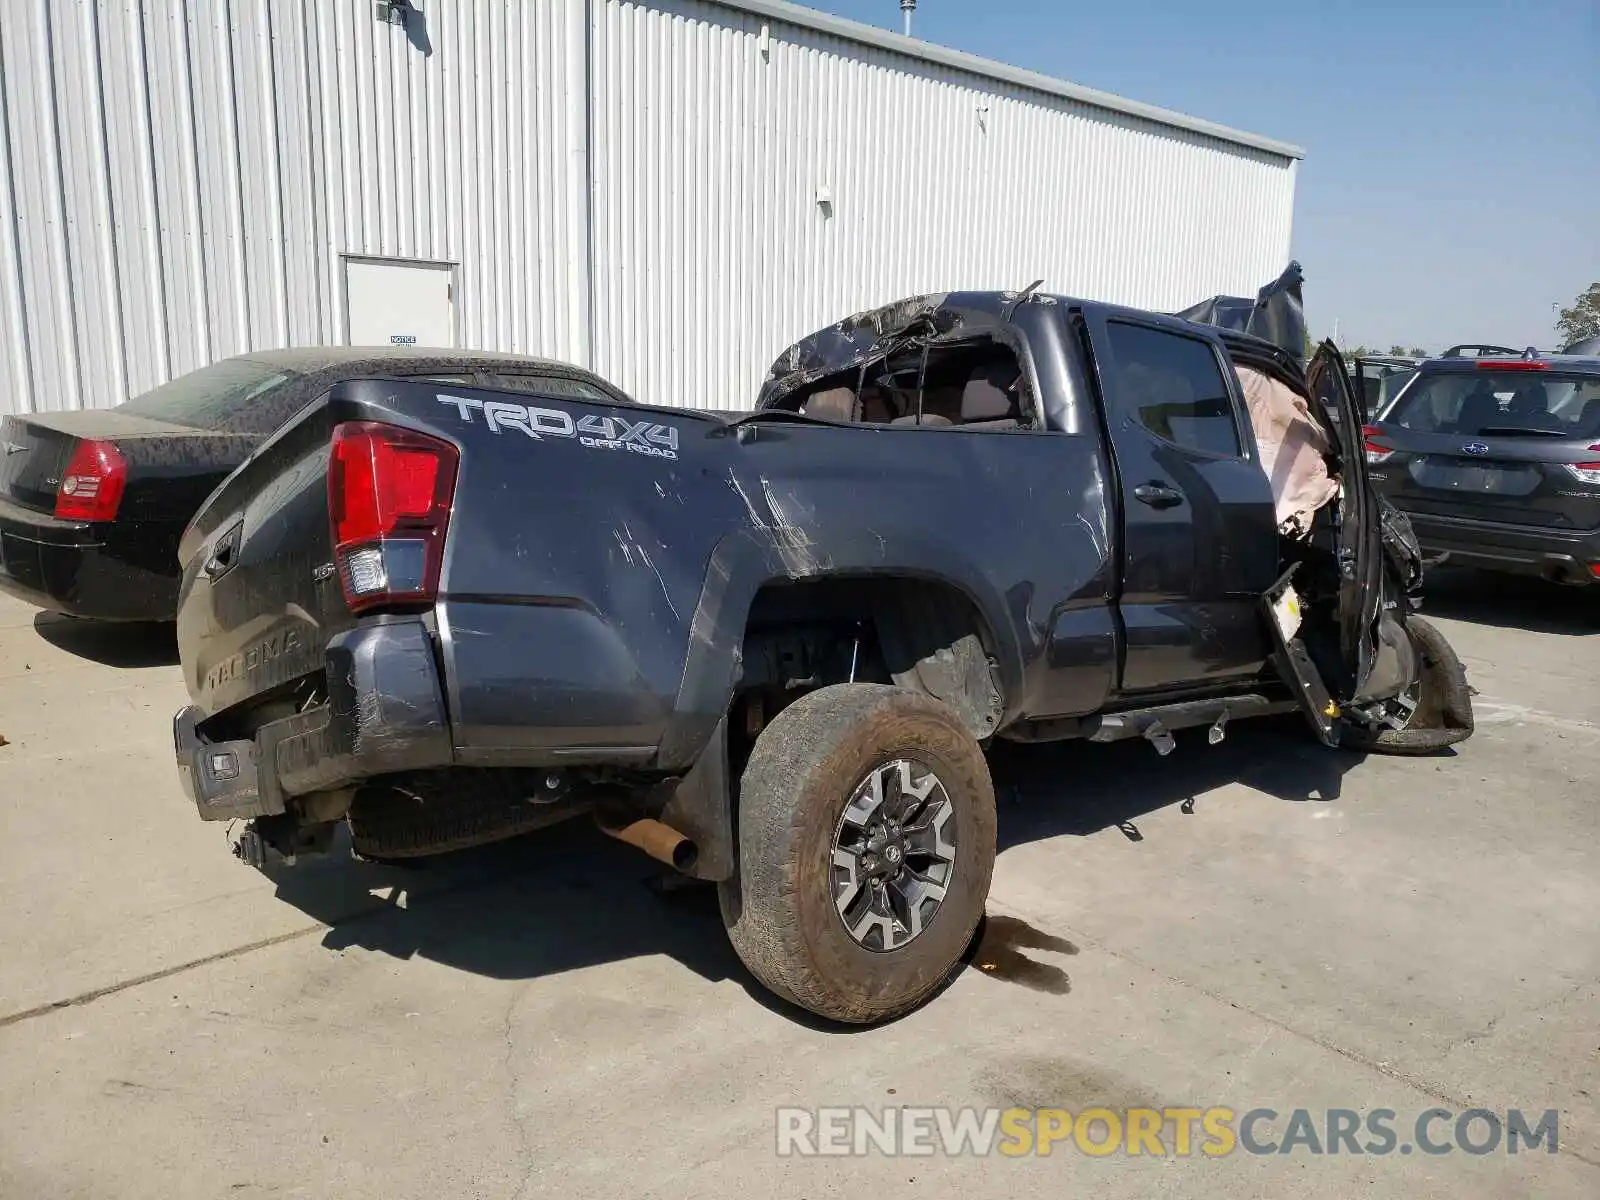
(92, 504)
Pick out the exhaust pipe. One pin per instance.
(661, 842)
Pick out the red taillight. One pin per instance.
(91, 489)
(1586, 472)
(1376, 450)
(389, 496)
(1511, 364)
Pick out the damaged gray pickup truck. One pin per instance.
(769, 649)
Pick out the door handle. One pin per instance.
(1157, 495)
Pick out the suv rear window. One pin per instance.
(1501, 404)
(215, 397)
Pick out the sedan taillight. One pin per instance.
(389, 497)
(92, 487)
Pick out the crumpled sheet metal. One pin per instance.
(1276, 315)
(848, 343)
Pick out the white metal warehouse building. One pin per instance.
(667, 191)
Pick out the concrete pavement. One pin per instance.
(1264, 924)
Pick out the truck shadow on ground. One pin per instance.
(1511, 601)
(569, 898)
(1076, 789)
(113, 644)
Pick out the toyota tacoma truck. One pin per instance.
(770, 648)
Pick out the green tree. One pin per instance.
(1582, 320)
(1418, 352)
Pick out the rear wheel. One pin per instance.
(866, 847)
(1435, 712)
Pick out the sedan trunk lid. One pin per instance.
(35, 450)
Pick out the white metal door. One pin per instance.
(397, 303)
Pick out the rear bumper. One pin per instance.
(1559, 554)
(385, 713)
(69, 567)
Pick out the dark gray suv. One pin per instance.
(1497, 462)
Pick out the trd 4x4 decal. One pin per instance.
(597, 433)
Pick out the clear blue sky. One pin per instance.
(1451, 186)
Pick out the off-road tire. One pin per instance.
(442, 812)
(779, 910)
(1443, 714)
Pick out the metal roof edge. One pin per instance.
(871, 35)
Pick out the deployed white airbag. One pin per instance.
(1292, 445)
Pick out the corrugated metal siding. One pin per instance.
(712, 253)
(183, 176)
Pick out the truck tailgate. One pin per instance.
(259, 601)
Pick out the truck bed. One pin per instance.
(602, 560)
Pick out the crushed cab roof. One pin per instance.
(953, 316)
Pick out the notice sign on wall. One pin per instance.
(385, 295)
